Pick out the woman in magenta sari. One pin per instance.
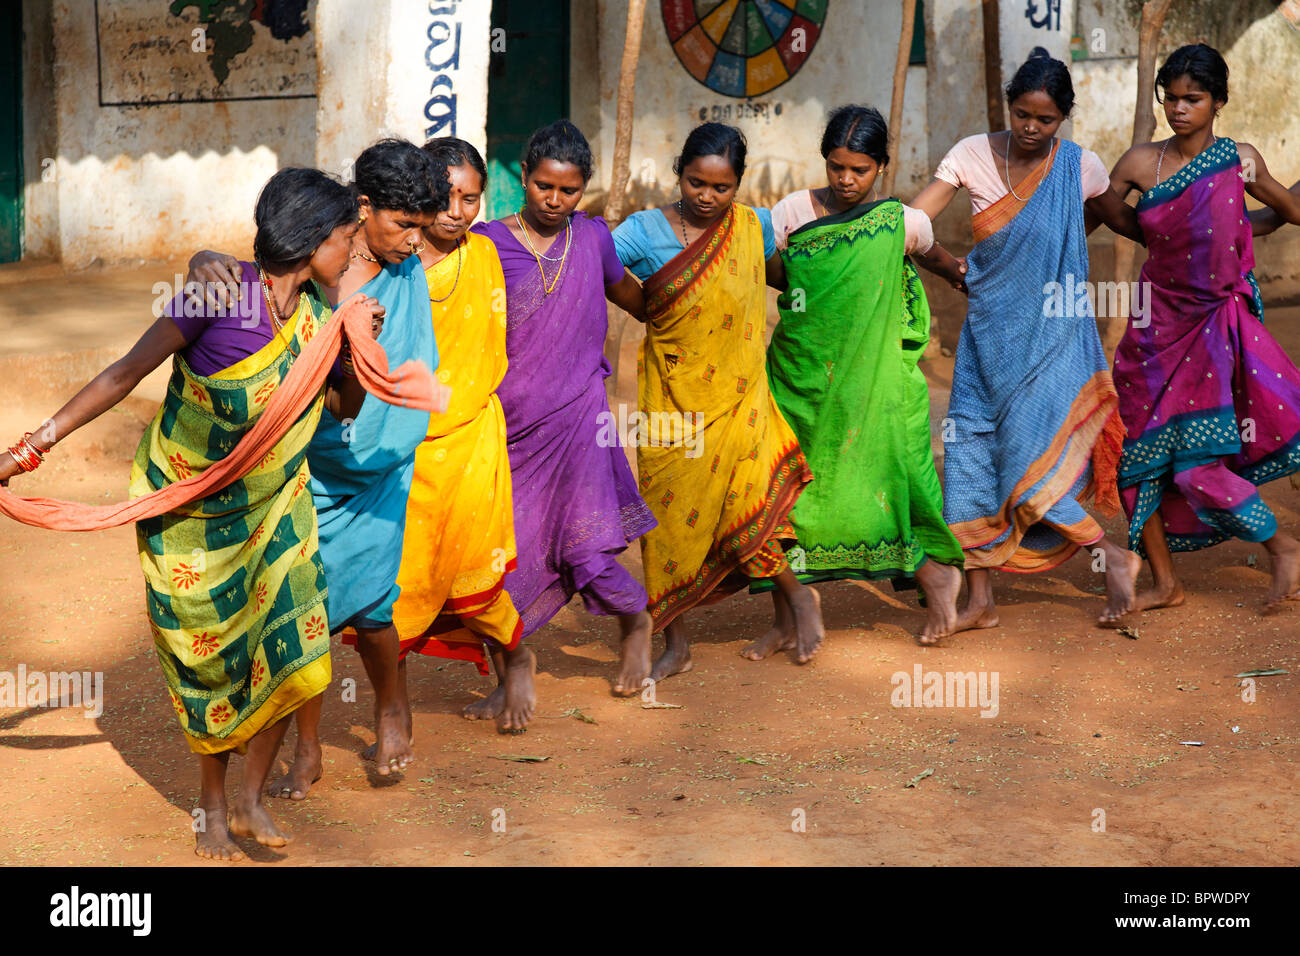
(575, 498)
(1210, 400)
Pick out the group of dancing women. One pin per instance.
(392, 423)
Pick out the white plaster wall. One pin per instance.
(153, 182)
(393, 67)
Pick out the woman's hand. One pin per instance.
(220, 276)
(957, 278)
(8, 468)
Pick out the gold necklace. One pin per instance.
(1006, 161)
(277, 320)
(568, 239)
(459, 257)
(357, 253)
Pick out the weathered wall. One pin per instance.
(852, 61)
(148, 181)
(397, 68)
(1262, 49)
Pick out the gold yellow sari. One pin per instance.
(722, 468)
(460, 532)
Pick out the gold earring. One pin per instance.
(361, 220)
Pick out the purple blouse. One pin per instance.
(217, 340)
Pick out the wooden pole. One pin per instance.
(1144, 127)
(993, 66)
(622, 158)
(623, 117)
(900, 86)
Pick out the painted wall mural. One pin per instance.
(743, 48)
(198, 51)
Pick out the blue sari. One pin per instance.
(1033, 406)
(361, 470)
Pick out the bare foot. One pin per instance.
(213, 841)
(807, 606)
(942, 585)
(1286, 574)
(972, 617)
(489, 707)
(392, 741)
(1121, 589)
(1170, 595)
(252, 820)
(303, 772)
(781, 637)
(520, 698)
(676, 659)
(635, 652)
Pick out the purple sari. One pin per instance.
(576, 502)
(1210, 400)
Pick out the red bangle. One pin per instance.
(27, 455)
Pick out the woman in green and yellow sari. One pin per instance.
(718, 464)
(844, 369)
(234, 584)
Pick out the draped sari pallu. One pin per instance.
(228, 539)
(576, 503)
(844, 372)
(723, 514)
(460, 530)
(234, 584)
(1034, 409)
(1211, 401)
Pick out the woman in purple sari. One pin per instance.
(1211, 402)
(575, 497)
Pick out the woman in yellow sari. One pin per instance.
(719, 465)
(460, 530)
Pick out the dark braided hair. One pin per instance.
(1043, 72)
(398, 175)
(1202, 64)
(296, 211)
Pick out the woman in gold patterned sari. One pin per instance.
(234, 583)
(719, 465)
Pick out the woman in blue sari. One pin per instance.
(361, 469)
(1034, 415)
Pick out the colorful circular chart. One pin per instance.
(743, 47)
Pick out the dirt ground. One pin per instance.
(1088, 720)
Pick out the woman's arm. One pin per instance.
(945, 265)
(627, 295)
(775, 269)
(1262, 186)
(1118, 215)
(343, 392)
(934, 198)
(106, 389)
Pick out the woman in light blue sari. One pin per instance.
(1034, 415)
(361, 469)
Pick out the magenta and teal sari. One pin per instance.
(1210, 400)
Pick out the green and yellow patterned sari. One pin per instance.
(234, 584)
(843, 368)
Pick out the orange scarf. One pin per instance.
(411, 385)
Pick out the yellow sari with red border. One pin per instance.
(718, 465)
(460, 531)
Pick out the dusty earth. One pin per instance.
(1088, 720)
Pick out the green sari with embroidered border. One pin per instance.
(843, 369)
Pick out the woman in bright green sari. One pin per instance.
(843, 368)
